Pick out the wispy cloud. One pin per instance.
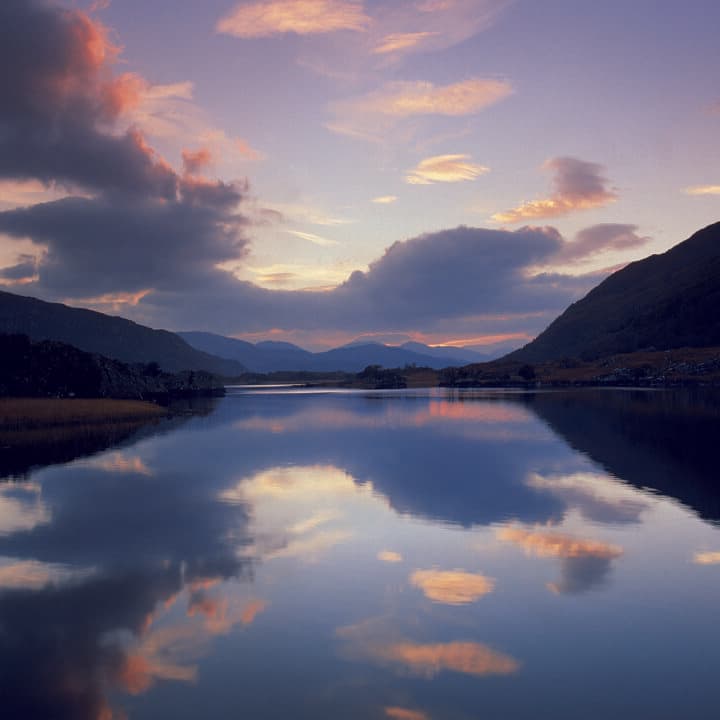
(707, 558)
(445, 168)
(369, 116)
(169, 112)
(703, 190)
(407, 98)
(302, 17)
(385, 199)
(313, 238)
(577, 185)
(401, 41)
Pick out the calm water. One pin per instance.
(407, 555)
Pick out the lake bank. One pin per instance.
(34, 413)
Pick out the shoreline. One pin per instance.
(29, 413)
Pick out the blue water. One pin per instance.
(412, 555)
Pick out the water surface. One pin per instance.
(406, 554)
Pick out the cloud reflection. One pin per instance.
(401, 713)
(585, 563)
(452, 587)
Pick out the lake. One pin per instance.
(412, 555)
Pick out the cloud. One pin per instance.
(599, 239)
(24, 271)
(459, 280)
(166, 248)
(63, 137)
(389, 556)
(445, 168)
(707, 558)
(96, 247)
(385, 199)
(401, 41)
(577, 185)
(302, 17)
(313, 238)
(408, 98)
(137, 221)
(169, 113)
(396, 30)
(703, 190)
(370, 115)
(195, 161)
(452, 587)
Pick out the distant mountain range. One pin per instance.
(112, 337)
(662, 302)
(271, 356)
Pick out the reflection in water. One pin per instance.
(585, 563)
(652, 439)
(34, 575)
(596, 497)
(428, 659)
(400, 713)
(21, 507)
(452, 587)
(192, 573)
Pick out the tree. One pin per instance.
(527, 373)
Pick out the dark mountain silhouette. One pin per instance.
(54, 369)
(662, 302)
(113, 337)
(452, 354)
(271, 356)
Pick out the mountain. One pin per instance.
(272, 356)
(662, 302)
(354, 358)
(263, 357)
(449, 354)
(107, 335)
(49, 368)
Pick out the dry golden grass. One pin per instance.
(28, 413)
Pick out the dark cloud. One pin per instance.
(465, 276)
(143, 225)
(99, 246)
(600, 238)
(59, 100)
(25, 269)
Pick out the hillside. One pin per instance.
(49, 368)
(662, 302)
(265, 357)
(113, 337)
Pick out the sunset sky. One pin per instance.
(449, 171)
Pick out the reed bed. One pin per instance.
(31, 413)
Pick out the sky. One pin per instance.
(447, 171)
